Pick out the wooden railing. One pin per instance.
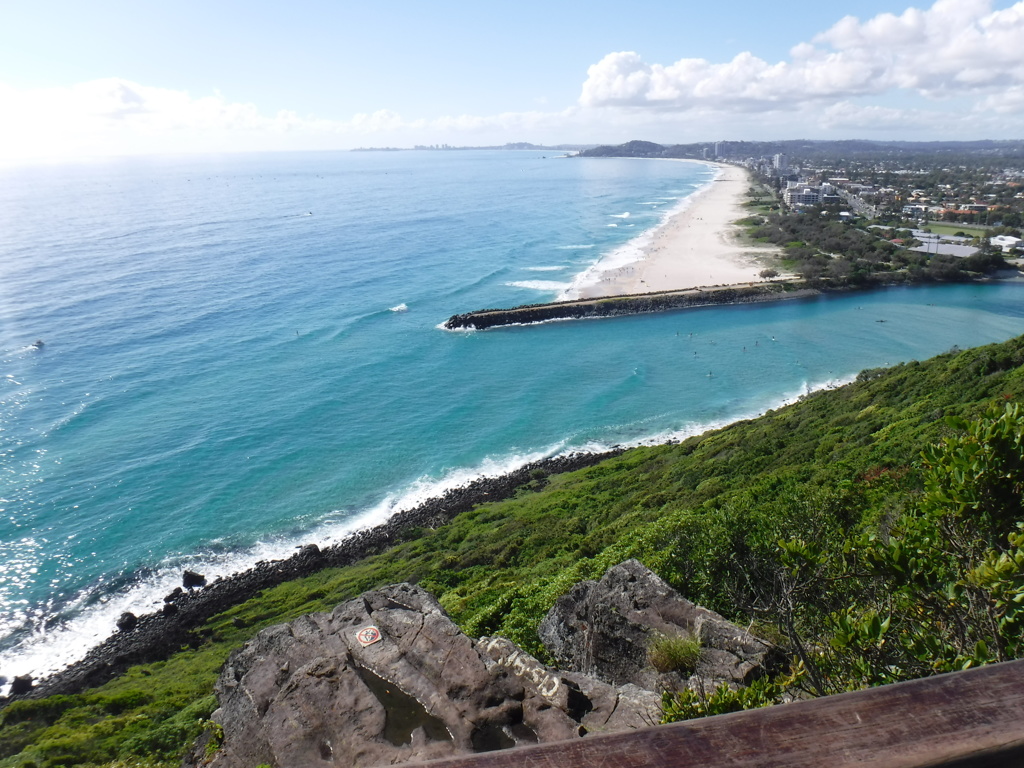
(972, 719)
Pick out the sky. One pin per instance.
(111, 77)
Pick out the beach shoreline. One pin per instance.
(158, 635)
(696, 246)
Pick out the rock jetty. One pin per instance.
(644, 303)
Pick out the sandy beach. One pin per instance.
(696, 247)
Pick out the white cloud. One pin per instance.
(1008, 102)
(117, 116)
(955, 47)
(850, 117)
(961, 57)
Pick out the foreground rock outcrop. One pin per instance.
(606, 628)
(389, 678)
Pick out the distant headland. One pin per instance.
(516, 145)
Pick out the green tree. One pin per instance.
(942, 587)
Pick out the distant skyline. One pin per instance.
(130, 77)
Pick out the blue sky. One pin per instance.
(108, 77)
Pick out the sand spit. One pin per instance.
(696, 247)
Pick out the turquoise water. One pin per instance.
(225, 373)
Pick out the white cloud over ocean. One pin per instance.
(953, 70)
(956, 47)
(118, 116)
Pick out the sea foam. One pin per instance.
(539, 285)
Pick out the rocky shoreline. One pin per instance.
(158, 635)
(635, 304)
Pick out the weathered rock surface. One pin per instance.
(388, 678)
(22, 684)
(604, 628)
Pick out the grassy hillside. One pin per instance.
(768, 521)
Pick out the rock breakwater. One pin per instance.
(644, 303)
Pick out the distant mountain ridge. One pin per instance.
(510, 145)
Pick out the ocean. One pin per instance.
(242, 354)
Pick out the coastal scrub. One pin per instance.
(707, 515)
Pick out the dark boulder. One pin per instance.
(388, 678)
(127, 621)
(606, 628)
(177, 594)
(21, 685)
(190, 580)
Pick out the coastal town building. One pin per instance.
(800, 193)
(935, 187)
(1006, 242)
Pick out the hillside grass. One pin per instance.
(953, 228)
(706, 514)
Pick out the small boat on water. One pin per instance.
(400, 308)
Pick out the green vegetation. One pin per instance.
(691, 704)
(955, 229)
(818, 245)
(674, 653)
(830, 525)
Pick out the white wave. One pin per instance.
(620, 215)
(632, 251)
(539, 285)
(400, 308)
(426, 487)
(50, 649)
(574, 247)
(700, 427)
(443, 327)
(545, 269)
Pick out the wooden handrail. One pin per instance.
(972, 719)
